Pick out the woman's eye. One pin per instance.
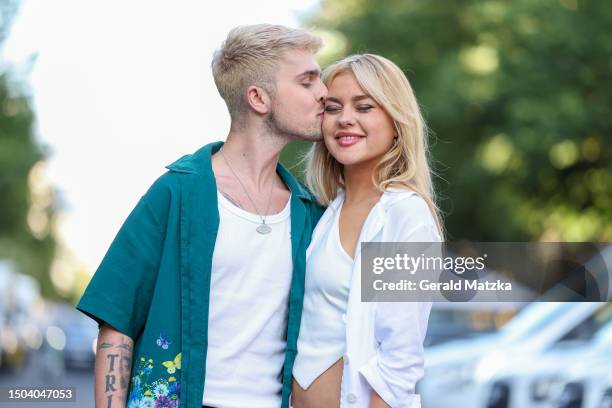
(332, 109)
(364, 108)
(306, 85)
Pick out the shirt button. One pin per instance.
(346, 359)
(351, 398)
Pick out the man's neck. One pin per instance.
(253, 156)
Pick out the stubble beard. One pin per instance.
(280, 128)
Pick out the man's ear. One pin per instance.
(258, 99)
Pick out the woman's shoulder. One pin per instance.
(396, 199)
(406, 208)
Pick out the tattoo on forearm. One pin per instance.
(110, 377)
(125, 364)
(121, 362)
(125, 347)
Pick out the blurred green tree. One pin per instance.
(25, 226)
(517, 98)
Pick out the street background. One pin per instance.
(97, 97)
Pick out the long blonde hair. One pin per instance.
(406, 164)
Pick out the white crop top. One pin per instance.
(322, 338)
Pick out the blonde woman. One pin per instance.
(372, 172)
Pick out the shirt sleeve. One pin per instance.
(400, 327)
(120, 292)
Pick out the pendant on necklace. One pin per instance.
(264, 229)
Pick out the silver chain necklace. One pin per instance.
(262, 228)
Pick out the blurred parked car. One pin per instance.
(606, 399)
(70, 339)
(535, 379)
(18, 295)
(593, 390)
(81, 335)
(466, 320)
(587, 383)
(457, 372)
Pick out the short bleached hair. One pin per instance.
(250, 56)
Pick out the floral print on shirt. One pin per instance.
(160, 393)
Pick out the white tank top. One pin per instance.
(322, 339)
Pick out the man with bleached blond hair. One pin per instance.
(199, 297)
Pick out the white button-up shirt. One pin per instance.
(384, 340)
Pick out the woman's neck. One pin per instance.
(358, 185)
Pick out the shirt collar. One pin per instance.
(200, 163)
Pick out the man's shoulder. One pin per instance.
(186, 164)
(197, 162)
(166, 186)
(167, 183)
(192, 163)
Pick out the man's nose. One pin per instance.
(322, 93)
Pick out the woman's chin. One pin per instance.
(351, 160)
(347, 161)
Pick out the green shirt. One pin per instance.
(154, 282)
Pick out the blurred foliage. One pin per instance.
(25, 225)
(518, 99)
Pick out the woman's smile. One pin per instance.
(347, 139)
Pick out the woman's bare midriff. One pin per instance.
(324, 392)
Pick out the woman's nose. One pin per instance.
(346, 118)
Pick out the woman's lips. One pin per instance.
(348, 139)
